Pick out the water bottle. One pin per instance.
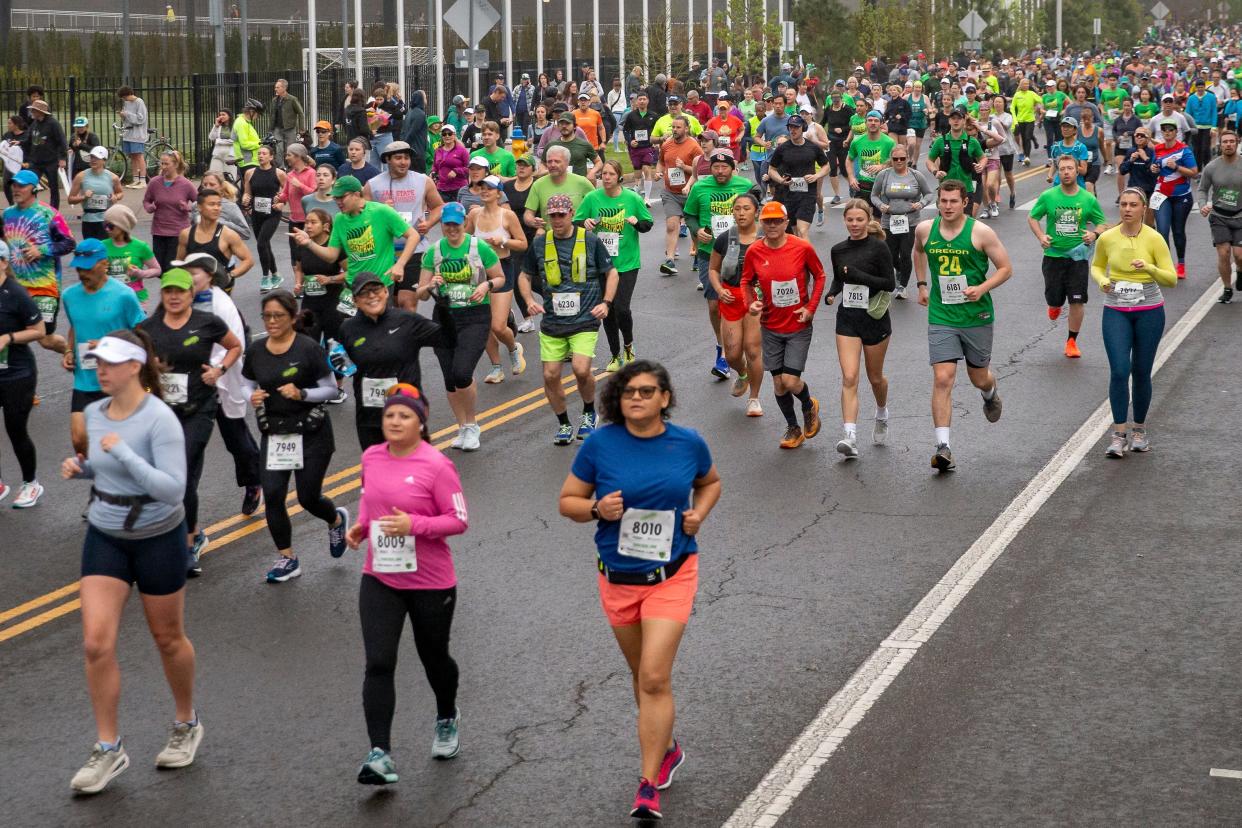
(339, 360)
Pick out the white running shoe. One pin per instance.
(100, 769)
(182, 745)
(28, 495)
(470, 437)
(847, 446)
(753, 408)
(527, 326)
(879, 434)
(456, 443)
(497, 374)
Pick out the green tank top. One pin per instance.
(954, 266)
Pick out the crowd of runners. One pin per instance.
(464, 232)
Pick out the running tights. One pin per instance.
(241, 445)
(198, 428)
(1026, 135)
(1172, 216)
(619, 323)
(265, 226)
(457, 364)
(317, 451)
(1131, 339)
(17, 400)
(900, 245)
(383, 611)
(165, 250)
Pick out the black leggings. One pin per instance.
(1201, 146)
(198, 430)
(458, 364)
(17, 400)
(317, 451)
(1026, 134)
(265, 226)
(165, 250)
(619, 323)
(900, 245)
(49, 170)
(838, 158)
(383, 610)
(240, 443)
(293, 245)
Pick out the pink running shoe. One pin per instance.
(646, 801)
(674, 758)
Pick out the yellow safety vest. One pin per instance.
(552, 264)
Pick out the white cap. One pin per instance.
(114, 351)
(480, 161)
(99, 152)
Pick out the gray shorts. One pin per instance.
(786, 353)
(674, 203)
(948, 344)
(1225, 230)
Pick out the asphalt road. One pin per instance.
(1085, 679)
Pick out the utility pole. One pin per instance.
(1059, 35)
(345, 35)
(217, 25)
(245, 44)
(126, 33)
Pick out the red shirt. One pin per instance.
(779, 271)
(729, 127)
(700, 110)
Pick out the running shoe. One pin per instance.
(669, 268)
(196, 553)
(698, 286)
(587, 426)
(377, 769)
(494, 376)
(942, 460)
(564, 435)
(1026, 162)
(336, 534)
(1108, 169)
(995, 210)
(1013, 201)
(740, 385)
(1226, 296)
(264, 282)
(646, 802)
(1071, 349)
(340, 397)
(517, 359)
(629, 353)
(1181, 270)
(615, 364)
(100, 769)
(284, 570)
(992, 407)
(447, 742)
(182, 745)
(527, 326)
(847, 446)
(720, 369)
(674, 758)
(754, 408)
(1054, 313)
(836, 199)
(4, 490)
(879, 433)
(1116, 445)
(899, 292)
(251, 499)
(28, 495)
(810, 419)
(1138, 439)
(819, 217)
(470, 437)
(793, 438)
(275, 282)
(684, 232)
(456, 441)
(1022, 160)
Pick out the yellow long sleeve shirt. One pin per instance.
(1131, 288)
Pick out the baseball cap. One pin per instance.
(560, 204)
(722, 155)
(453, 213)
(1050, 82)
(480, 161)
(565, 118)
(114, 351)
(80, 122)
(773, 210)
(1070, 122)
(99, 152)
(526, 76)
(177, 278)
(945, 81)
(88, 253)
(1168, 122)
(449, 128)
(1163, 98)
(527, 159)
(958, 111)
(324, 125)
(674, 99)
(203, 261)
(26, 178)
(346, 184)
(494, 182)
(709, 135)
(583, 96)
(366, 278)
(796, 121)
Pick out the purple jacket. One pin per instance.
(456, 160)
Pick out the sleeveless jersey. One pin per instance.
(949, 261)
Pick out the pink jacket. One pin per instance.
(293, 196)
(456, 160)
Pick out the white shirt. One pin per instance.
(229, 388)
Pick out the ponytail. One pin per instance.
(149, 374)
(873, 226)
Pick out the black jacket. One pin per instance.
(47, 141)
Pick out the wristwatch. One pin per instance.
(920, 284)
(595, 515)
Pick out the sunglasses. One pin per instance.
(645, 392)
(404, 389)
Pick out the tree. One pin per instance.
(827, 32)
(746, 33)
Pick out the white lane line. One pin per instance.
(791, 775)
(1026, 208)
(1225, 773)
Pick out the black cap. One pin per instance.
(364, 280)
(960, 111)
(796, 121)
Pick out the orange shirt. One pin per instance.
(592, 124)
(687, 152)
(729, 126)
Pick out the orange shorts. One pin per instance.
(627, 604)
(734, 311)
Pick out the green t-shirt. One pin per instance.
(711, 205)
(1110, 102)
(1146, 111)
(1068, 217)
(1054, 104)
(136, 253)
(1024, 101)
(580, 152)
(455, 269)
(617, 235)
(858, 125)
(367, 240)
(574, 186)
(864, 152)
(954, 170)
(502, 161)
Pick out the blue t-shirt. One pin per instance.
(773, 127)
(651, 473)
(93, 315)
(1078, 151)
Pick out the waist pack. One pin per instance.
(307, 422)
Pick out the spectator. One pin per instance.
(49, 152)
(287, 116)
(133, 115)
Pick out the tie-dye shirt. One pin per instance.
(41, 228)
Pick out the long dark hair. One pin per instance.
(149, 375)
(302, 320)
(610, 396)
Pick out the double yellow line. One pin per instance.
(248, 525)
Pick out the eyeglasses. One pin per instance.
(373, 291)
(645, 392)
(404, 389)
(274, 316)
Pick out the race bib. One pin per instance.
(1226, 198)
(856, 296)
(952, 290)
(346, 305)
(1125, 141)
(898, 225)
(284, 452)
(1090, 156)
(97, 203)
(175, 388)
(1066, 225)
(797, 185)
(1052, 113)
(311, 287)
(611, 242)
(640, 135)
(785, 294)
(910, 133)
(262, 205)
(721, 224)
(1128, 293)
(676, 176)
(119, 268)
(566, 304)
(647, 534)
(1156, 200)
(392, 553)
(84, 362)
(375, 390)
(47, 308)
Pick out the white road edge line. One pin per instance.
(1225, 773)
(791, 775)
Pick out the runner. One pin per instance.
(739, 330)
(1173, 199)
(578, 304)
(649, 485)
(319, 283)
(358, 150)
(1071, 146)
(463, 273)
(321, 198)
(899, 194)
(449, 164)
(37, 236)
(1074, 220)
(558, 181)
(135, 534)
(678, 162)
(502, 230)
(1219, 189)
(1131, 264)
(1125, 125)
(1001, 151)
(260, 190)
(836, 122)
(412, 501)
(960, 314)
(184, 340)
(500, 162)
(862, 268)
(708, 213)
(20, 324)
(300, 181)
(582, 153)
(1025, 103)
(793, 169)
(326, 152)
(637, 127)
(617, 215)
(95, 188)
(1092, 137)
(955, 155)
(209, 235)
(868, 154)
(416, 201)
(130, 260)
(288, 378)
(384, 343)
(774, 284)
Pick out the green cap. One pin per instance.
(527, 159)
(177, 278)
(346, 184)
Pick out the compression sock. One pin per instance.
(563, 418)
(786, 404)
(588, 407)
(1073, 335)
(804, 397)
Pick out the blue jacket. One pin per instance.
(1202, 110)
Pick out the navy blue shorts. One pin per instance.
(157, 564)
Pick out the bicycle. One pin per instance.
(155, 146)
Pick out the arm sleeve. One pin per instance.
(164, 478)
(451, 517)
(324, 390)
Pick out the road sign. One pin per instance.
(789, 39)
(1095, 27)
(472, 19)
(972, 45)
(1160, 11)
(1161, 23)
(972, 25)
(470, 58)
